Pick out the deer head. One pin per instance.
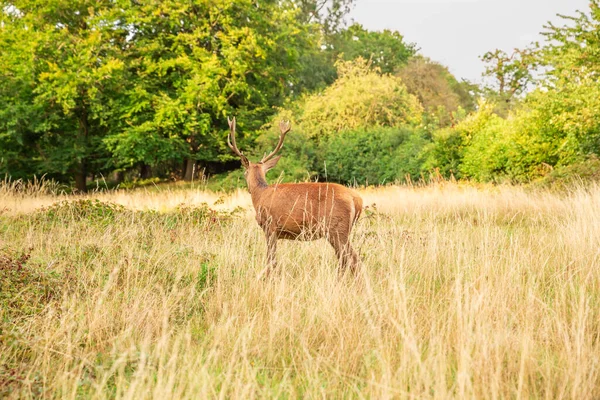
(255, 172)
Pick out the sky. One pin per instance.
(457, 32)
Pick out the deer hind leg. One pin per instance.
(348, 259)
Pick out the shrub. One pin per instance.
(585, 171)
(444, 154)
(227, 182)
(299, 161)
(485, 158)
(361, 98)
(24, 288)
(373, 156)
(553, 129)
(94, 210)
(411, 155)
(556, 127)
(468, 149)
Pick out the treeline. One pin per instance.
(144, 88)
(536, 118)
(132, 89)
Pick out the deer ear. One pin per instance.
(271, 163)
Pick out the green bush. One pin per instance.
(94, 210)
(361, 97)
(227, 182)
(299, 161)
(476, 148)
(444, 154)
(555, 128)
(485, 158)
(373, 156)
(411, 155)
(25, 289)
(585, 171)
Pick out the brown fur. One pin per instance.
(304, 211)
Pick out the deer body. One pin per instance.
(301, 211)
(306, 211)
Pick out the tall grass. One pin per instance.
(487, 293)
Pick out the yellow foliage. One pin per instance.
(360, 97)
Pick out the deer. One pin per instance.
(299, 211)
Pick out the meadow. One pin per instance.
(466, 292)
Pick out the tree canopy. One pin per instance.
(140, 89)
(90, 87)
(360, 97)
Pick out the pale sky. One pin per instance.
(457, 32)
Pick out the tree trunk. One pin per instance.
(190, 170)
(182, 169)
(145, 171)
(82, 168)
(191, 166)
(80, 178)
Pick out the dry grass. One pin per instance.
(16, 197)
(466, 292)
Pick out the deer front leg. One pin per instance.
(271, 238)
(271, 250)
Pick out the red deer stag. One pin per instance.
(304, 211)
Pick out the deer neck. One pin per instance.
(256, 186)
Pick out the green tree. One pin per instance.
(572, 50)
(558, 123)
(440, 93)
(19, 116)
(192, 64)
(92, 86)
(71, 75)
(385, 49)
(508, 76)
(326, 19)
(360, 97)
(329, 14)
(358, 106)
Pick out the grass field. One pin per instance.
(466, 292)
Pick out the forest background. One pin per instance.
(132, 92)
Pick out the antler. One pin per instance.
(284, 128)
(231, 138)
